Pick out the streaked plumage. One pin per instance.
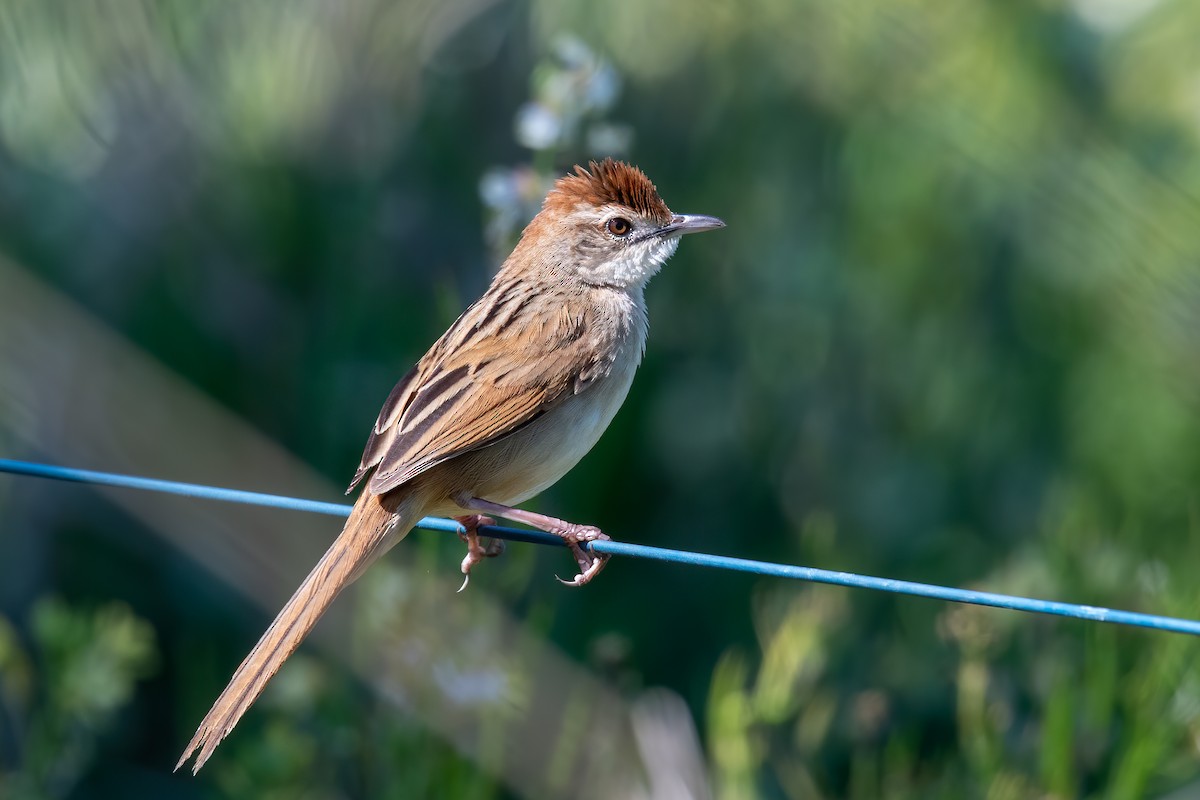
(504, 404)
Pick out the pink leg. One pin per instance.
(476, 552)
(589, 563)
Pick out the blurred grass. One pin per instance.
(951, 334)
(61, 699)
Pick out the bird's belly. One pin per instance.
(535, 457)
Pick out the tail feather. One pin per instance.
(369, 532)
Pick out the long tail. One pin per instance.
(370, 531)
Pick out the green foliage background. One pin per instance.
(951, 334)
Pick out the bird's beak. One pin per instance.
(690, 223)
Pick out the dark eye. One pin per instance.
(618, 226)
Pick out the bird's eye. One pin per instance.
(618, 226)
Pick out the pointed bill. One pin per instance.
(690, 223)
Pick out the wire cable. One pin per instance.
(812, 574)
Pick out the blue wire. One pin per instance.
(1015, 603)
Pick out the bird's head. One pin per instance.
(608, 225)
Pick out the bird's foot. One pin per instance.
(590, 563)
(477, 549)
(575, 536)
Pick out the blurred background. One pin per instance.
(951, 334)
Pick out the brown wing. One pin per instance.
(498, 368)
(383, 432)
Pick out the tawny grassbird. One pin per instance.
(502, 406)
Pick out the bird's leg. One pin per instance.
(589, 563)
(476, 551)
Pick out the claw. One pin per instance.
(475, 551)
(589, 563)
(589, 572)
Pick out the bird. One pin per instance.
(506, 402)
